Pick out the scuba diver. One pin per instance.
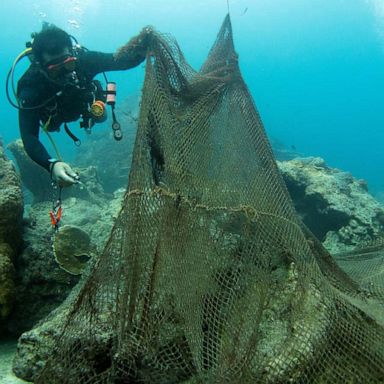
(59, 87)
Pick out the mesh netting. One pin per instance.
(208, 275)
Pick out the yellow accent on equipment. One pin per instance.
(26, 52)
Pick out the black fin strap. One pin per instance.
(71, 135)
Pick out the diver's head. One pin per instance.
(51, 43)
(52, 49)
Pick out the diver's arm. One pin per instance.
(129, 56)
(60, 172)
(29, 131)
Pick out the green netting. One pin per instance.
(209, 276)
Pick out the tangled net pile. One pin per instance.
(208, 275)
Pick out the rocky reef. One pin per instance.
(38, 266)
(35, 178)
(11, 214)
(335, 206)
(43, 283)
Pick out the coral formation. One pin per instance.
(41, 283)
(11, 213)
(335, 206)
(7, 284)
(35, 178)
(11, 201)
(28, 363)
(72, 249)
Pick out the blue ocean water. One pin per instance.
(315, 68)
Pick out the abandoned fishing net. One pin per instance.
(208, 275)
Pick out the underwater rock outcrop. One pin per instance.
(35, 178)
(7, 284)
(46, 287)
(34, 346)
(42, 283)
(11, 201)
(335, 206)
(11, 214)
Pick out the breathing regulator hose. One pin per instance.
(10, 75)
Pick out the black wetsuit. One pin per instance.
(35, 88)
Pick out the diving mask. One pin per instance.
(61, 66)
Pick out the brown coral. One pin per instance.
(72, 249)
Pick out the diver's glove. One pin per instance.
(133, 53)
(63, 174)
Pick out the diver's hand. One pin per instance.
(133, 53)
(145, 36)
(63, 174)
